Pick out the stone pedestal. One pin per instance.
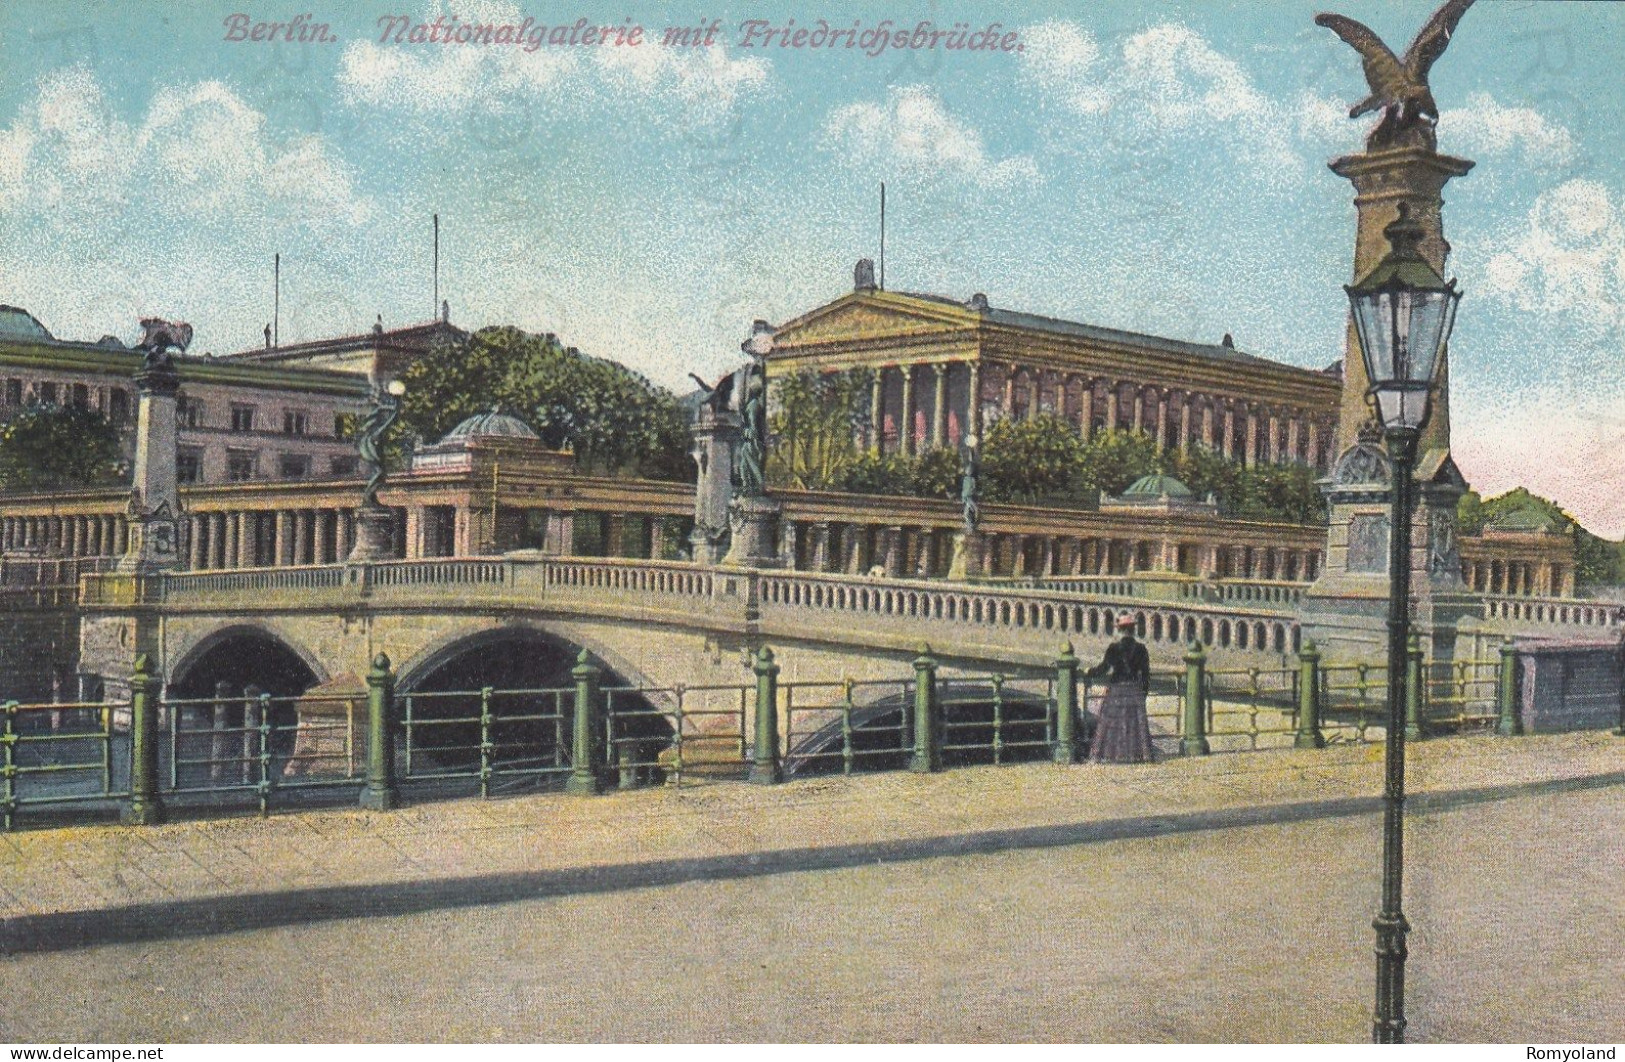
(969, 549)
(1345, 611)
(154, 510)
(715, 434)
(374, 534)
(754, 530)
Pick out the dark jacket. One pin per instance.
(1126, 661)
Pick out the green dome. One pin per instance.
(494, 424)
(1156, 486)
(1523, 520)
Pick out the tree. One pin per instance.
(817, 420)
(48, 447)
(614, 419)
(1026, 460)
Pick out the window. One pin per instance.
(242, 418)
(46, 393)
(295, 423)
(81, 396)
(344, 466)
(294, 466)
(118, 405)
(14, 392)
(189, 412)
(188, 465)
(240, 465)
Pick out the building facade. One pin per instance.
(238, 422)
(943, 369)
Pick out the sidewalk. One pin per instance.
(515, 847)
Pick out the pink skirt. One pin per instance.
(1124, 732)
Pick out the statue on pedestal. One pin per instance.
(1399, 87)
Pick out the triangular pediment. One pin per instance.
(864, 316)
(1437, 467)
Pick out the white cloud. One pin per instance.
(1168, 82)
(1567, 261)
(427, 79)
(199, 149)
(913, 131)
(1485, 128)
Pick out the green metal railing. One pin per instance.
(145, 752)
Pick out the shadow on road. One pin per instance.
(213, 915)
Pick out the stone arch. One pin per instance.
(428, 658)
(177, 671)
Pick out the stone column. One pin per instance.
(1185, 422)
(939, 406)
(1113, 396)
(1251, 458)
(1009, 403)
(1086, 409)
(1292, 436)
(1227, 444)
(1139, 408)
(973, 415)
(217, 540)
(657, 538)
(616, 546)
(1311, 445)
(154, 491)
(877, 412)
(905, 423)
(820, 546)
(927, 539)
(1274, 448)
(714, 434)
(894, 549)
(284, 538)
(301, 536)
(346, 533)
(561, 537)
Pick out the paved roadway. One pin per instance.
(1228, 898)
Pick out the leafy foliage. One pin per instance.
(46, 447)
(817, 421)
(614, 419)
(1043, 460)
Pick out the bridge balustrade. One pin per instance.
(1605, 615)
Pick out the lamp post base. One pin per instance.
(374, 534)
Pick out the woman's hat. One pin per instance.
(1127, 623)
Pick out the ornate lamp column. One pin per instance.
(375, 524)
(1403, 311)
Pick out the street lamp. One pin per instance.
(1403, 311)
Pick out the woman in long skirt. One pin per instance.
(1124, 733)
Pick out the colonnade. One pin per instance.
(924, 552)
(93, 535)
(1519, 578)
(921, 406)
(258, 538)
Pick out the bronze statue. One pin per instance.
(386, 409)
(718, 398)
(1399, 87)
(159, 337)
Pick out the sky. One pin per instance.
(1157, 167)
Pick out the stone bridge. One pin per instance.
(668, 623)
(650, 623)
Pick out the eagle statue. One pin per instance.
(1399, 87)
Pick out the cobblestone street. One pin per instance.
(1223, 898)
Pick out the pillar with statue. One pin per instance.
(1398, 184)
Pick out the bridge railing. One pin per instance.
(1556, 611)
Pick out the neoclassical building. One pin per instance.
(944, 368)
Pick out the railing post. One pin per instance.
(926, 757)
(1506, 693)
(145, 807)
(1066, 706)
(379, 793)
(8, 764)
(1309, 735)
(1414, 691)
(765, 767)
(584, 772)
(1194, 742)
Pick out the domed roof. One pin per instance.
(1523, 520)
(492, 424)
(1156, 486)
